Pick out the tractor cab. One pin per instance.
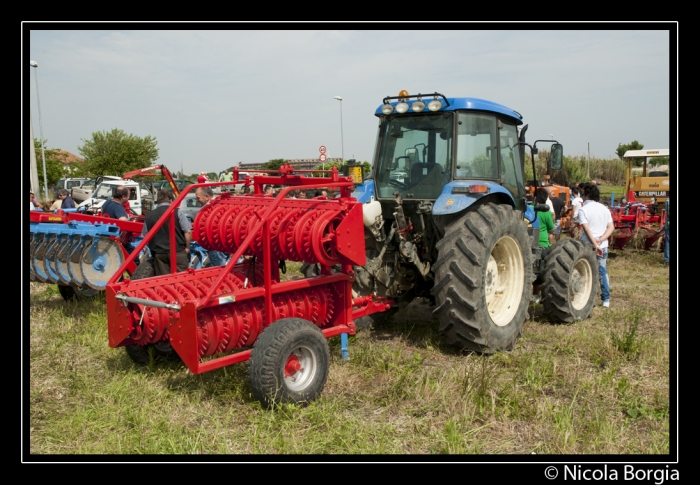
(431, 145)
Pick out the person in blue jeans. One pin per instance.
(667, 235)
(204, 195)
(597, 224)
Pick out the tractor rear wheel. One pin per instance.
(569, 281)
(289, 363)
(483, 279)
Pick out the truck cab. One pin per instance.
(140, 200)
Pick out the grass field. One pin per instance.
(599, 386)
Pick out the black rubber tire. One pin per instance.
(569, 281)
(143, 270)
(474, 313)
(138, 353)
(69, 292)
(283, 344)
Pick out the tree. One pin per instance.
(327, 166)
(115, 153)
(274, 164)
(366, 168)
(55, 168)
(635, 145)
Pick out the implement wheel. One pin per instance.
(289, 363)
(569, 281)
(73, 292)
(140, 353)
(483, 279)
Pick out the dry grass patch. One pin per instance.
(599, 386)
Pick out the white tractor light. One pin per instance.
(435, 105)
(387, 109)
(402, 107)
(418, 106)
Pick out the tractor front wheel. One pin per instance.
(569, 281)
(483, 279)
(289, 363)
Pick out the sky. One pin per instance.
(257, 92)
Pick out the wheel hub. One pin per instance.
(300, 368)
(504, 281)
(580, 284)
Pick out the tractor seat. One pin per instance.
(420, 170)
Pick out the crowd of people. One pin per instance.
(591, 220)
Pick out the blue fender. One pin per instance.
(363, 193)
(451, 203)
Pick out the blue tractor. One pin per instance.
(446, 218)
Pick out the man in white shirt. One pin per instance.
(576, 201)
(597, 224)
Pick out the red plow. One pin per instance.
(218, 316)
(637, 221)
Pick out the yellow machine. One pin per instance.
(650, 186)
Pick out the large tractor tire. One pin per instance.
(289, 363)
(569, 281)
(483, 279)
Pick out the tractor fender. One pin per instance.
(453, 203)
(364, 193)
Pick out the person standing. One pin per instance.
(545, 218)
(558, 206)
(667, 232)
(33, 200)
(66, 201)
(160, 243)
(226, 177)
(597, 224)
(115, 208)
(204, 196)
(202, 178)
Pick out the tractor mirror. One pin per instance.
(557, 155)
(411, 153)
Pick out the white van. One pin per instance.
(140, 200)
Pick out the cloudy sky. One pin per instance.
(214, 98)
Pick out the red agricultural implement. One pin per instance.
(218, 316)
(637, 220)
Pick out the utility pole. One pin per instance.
(589, 160)
(33, 174)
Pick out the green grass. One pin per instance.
(599, 386)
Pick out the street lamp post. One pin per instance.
(342, 147)
(41, 129)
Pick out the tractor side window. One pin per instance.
(477, 157)
(510, 162)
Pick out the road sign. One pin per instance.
(322, 157)
(322, 149)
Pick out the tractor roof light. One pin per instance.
(435, 105)
(418, 106)
(402, 107)
(387, 109)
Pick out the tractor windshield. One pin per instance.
(415, 156)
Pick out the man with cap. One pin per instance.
(202, 178)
